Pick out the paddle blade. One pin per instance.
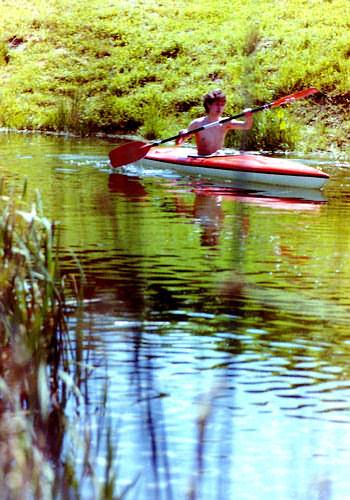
(301, 94)
(128, 153)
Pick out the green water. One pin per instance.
(218, 320)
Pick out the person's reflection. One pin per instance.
(207, 211)
(209, 214)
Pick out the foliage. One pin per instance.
(142, 66)
(270, 132)
(31, 328)
(39, 370)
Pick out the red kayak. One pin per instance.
(238, 167)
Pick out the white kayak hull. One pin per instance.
(242, 168)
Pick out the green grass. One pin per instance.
(142, 66)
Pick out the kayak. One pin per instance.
(239, 167)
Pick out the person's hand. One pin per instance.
(248, 118)
(181, 139)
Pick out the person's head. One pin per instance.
(213, 96)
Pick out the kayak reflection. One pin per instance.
(272, 197)
(208, 212)
(289, 198)
(206, 208)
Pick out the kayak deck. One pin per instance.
(243, 167)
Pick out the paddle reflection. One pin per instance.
(130, 186)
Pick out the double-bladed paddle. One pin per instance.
(135, 150)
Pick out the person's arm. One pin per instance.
(242, 125)
(193, 125)
(182, 138)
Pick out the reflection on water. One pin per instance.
(218, 318)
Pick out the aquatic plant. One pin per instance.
(31, 329)
(41, 367)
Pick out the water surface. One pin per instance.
(218, 320)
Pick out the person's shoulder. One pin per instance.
(197, 122)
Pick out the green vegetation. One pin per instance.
(142, 66)
(40, 370)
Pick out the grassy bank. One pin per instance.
(142, 66)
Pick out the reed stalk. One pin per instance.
(39, 368)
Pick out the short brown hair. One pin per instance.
(213, 95)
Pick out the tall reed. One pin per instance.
(42, 455)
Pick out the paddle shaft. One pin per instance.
(212, 124)
(279, 102)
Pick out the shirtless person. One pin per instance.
(212, 139)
